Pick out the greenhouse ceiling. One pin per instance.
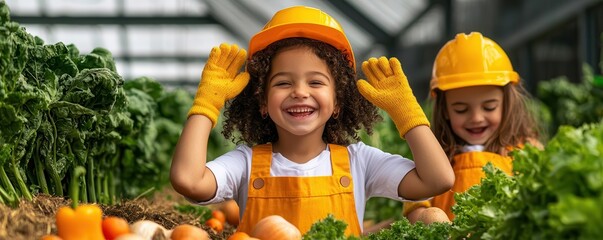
(169, 40)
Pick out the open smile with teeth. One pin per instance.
(300, 111)
(478, 130)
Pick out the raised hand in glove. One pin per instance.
(220, 81)
(387, 87)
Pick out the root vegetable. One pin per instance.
(189, 232)
(146, 229)
(275, 227)
(432, 215)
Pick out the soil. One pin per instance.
(36, 218)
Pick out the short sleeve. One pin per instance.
(383, 171)
(231, 173)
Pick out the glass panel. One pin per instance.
(24, 7)
(175, 7)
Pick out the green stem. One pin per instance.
(90, 180)
(151, 189)
(105, 194)
(114, 165)
(101, 174)
(6, 182)
(54, 176)
(111, 188)
(11, 199)
(15, 169)
(99, 187)
(40, 170)
(74, 186)
(84, 192)
(8, 197)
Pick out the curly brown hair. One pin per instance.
(517, 125)
(242, 114)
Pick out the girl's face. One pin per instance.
(301, 92)
(475, 112)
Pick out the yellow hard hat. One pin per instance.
(302, 21)
(471, 60)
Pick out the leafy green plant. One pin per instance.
(403, 229)
(60, 109)
(556, 193)
(573, 103)
(328, 228)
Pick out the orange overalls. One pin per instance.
(300, 200)
(468, 172)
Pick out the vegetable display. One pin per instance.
(60, 109)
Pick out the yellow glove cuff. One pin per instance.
(408, 207)
(206, 108)
(407, 115)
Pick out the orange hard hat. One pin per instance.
(302, 21)
(471, 60)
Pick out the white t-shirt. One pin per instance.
(473, 148)
(375, 173)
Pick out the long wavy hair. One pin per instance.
(517, 125)
(243, 121)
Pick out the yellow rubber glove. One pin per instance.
(387, 87)
(220, 81)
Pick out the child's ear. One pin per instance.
(263, 111)
(336, 112)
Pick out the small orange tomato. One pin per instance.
(217, 214)
(50, 237)
(239, 236)
(113, 227)
(188, 232)
(215, 224)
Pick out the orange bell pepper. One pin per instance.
(82, 223)
(79, 222)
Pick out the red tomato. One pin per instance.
(114, 227)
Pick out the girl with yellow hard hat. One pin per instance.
(479, 116)
(296, 112)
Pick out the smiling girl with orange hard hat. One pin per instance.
(480, 115)
(297, 110)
